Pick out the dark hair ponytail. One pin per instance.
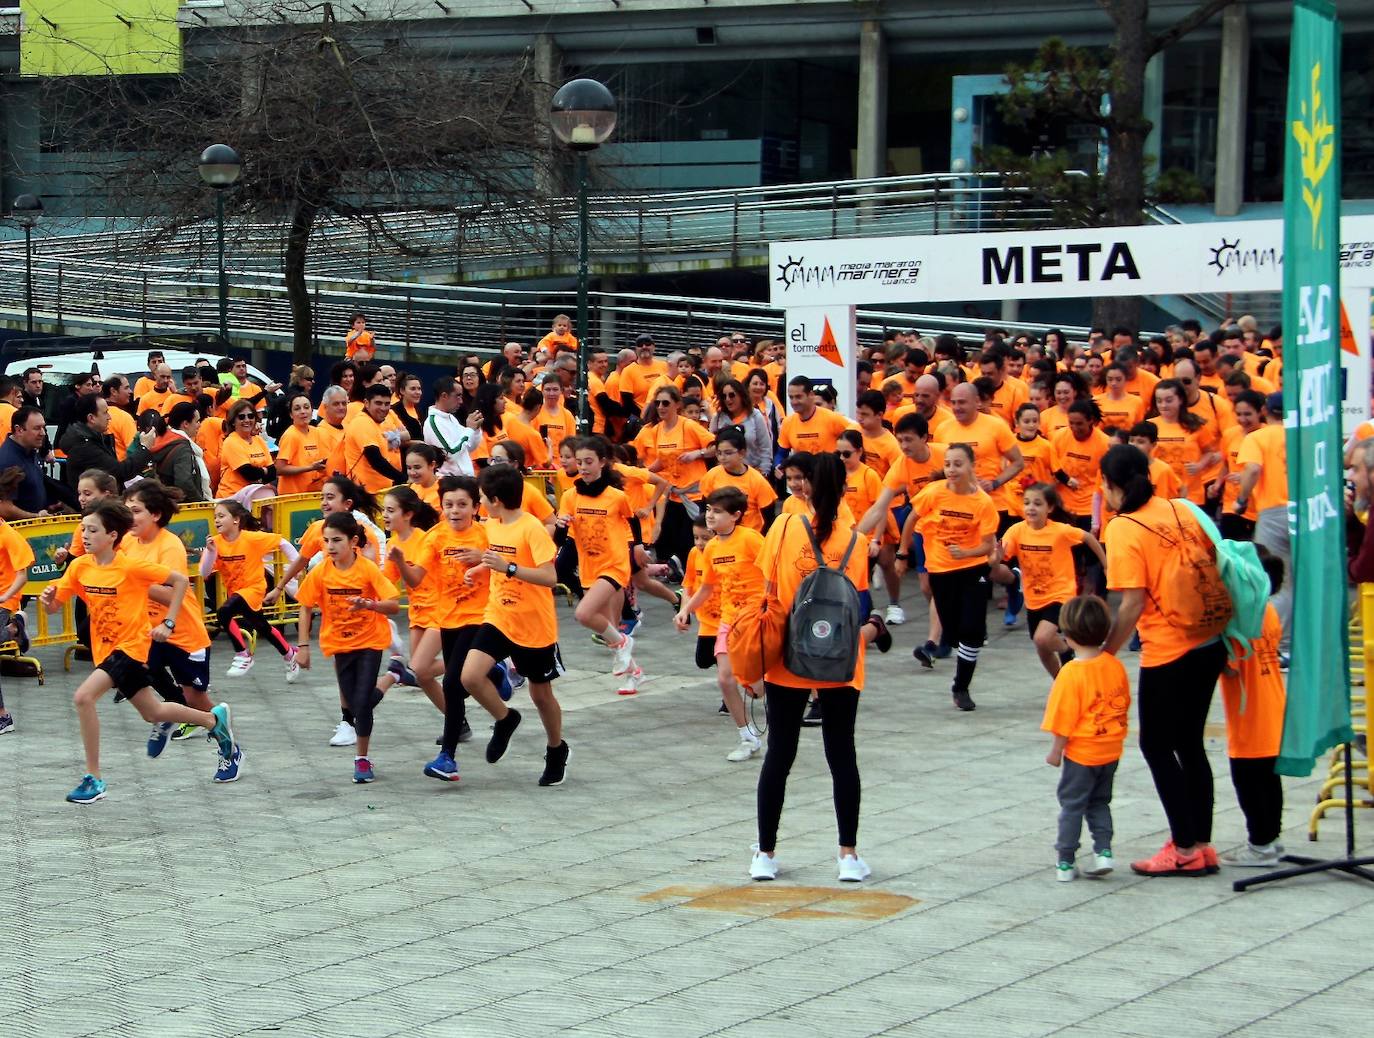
(827, 493)
(422, 513)
(360, 499)
(247, 520)
(1126, 468)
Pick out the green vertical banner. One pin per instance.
(1318, 713)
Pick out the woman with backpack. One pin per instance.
(1164, 564)
(788, 558)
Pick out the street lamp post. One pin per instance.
(583, 116)
(220, 167)
(27, 211)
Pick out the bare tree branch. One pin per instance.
(1195, 19)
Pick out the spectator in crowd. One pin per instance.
(89, 445)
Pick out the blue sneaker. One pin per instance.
(362, 770)
(223, 732)
(943, 652)
(517, 680)
(500, 677)
(228, 769)
(1015, 600)
(443, 767)
(404, 675)
(157, 741)
(90, 790)
(628, 627)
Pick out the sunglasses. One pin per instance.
(246, 418)
(1186, 381)
(729, 394)
(662, 403)
(846, 454)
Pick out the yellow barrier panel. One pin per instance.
(1332, 792)
(45, 537)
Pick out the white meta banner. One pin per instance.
(1232, 256)
(822, 344)
(1356, 339)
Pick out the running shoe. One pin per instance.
(1015, 600)
(90, 790)
(443, 767)
(157, 741)
(6, 724)
(344, 735)
(1103, 863)
(185, 732)
(813, 714)
(1168, 862)
(1066, 872)
(1254, 856)
(762, 866)
(896, 615)
(362, 770)
(963, 700)
(943, 652)
(293, 669)
(723, 709)
(1210, 859)
(464, 732)
(404, 675)
(746, 749)
(500, 677)
(598, 639)
(675, 573)
(883, 641)
(624, 656)
(223, 731)
(629, 682)
(517, 680)
(240, 665)
(501, 732)
(556, 764)
(625, 627)
(1284, 660)
(853, 869)
(21, 632)
(925, 655)
(228, 768)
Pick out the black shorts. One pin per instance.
(615, 586)
(706, 651)
(185, 671)
(540, 665)
(1049, 613)
(1005, 521)
(129, 676)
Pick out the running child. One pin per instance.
(114, 588)
(408, 518)
(1087, 712)
(648, 493)
(1041, 546)
(422, 469)
(729, 569)
(708, 613)
(238, 551)
(519, 621)
(354, 599)
(93, 486)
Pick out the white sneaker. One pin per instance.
(240, 665)
(1250, 856)
(853, 869)
(763, 866)
(1102, 864)
(293, 669)
(1066, 872)
(344, 735)
(746, 749)
(895, 616)
(624, 656)
(629, 682)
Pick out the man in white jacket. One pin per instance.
(442, 429)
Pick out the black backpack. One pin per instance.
(823, 624)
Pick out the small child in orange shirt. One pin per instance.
(1087, 713)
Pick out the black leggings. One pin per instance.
(1260, 793)
(961, 602)
(1172, 703)
(675, 536)
(456, 643)
(236, 609)
(565, 565)
(357, 672)
(1089, 571)
(785, 706)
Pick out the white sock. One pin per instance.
(747, 733)
(613, 637)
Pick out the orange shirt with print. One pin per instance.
(1090, 705)
(1120, 414)
(237, 451)
(240, 563)
(359, 434)
(731, 565)
(422, 601)
(1007, 398)
(1053, 419)
(988, 437)
(796, 506)
(159, 400)
(817, 435)
(668, 445)
(639, 380)
(911, 477)
(359, 340)
(787, 559)
(1046, 560)
(756, 489)
(1143, 384)
(342, 628)
(861, 491)
(1178, 447)
(527, 436)
(522, 611)
(1231, 440)
(1039, 468)
(948, 519)
(167, 549)
(459, 602)
(640, 490)
(211, 441)
(15, 556)
(116, 598)
(301, 448)
(1081, 460)
(1254, 696)
(600, 526)
(881, 452)
(555, 428)
(1267, 447)
(708, 613)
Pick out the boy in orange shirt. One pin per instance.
(1087, 713)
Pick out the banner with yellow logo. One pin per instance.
(1318, 712)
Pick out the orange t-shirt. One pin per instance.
(1178, 447)
(989, 437)
(15, 556)
(142, 386)
(237, 451)
(1267, 447)
(527, 436)
(523, 612)
(796, 506)
(708, 613)
(881, 452)
(423, 599)
(312, 541)
(1007, 398)
(1231, 440)
(757, 489)
(1081, 460)
(911, 477)
(555, 428)
(429, 495)
(1254, 697)
(1120, 414)
(241, 564)
(359, 434)
(115, 596)
(861, 490)
(342, 628)
(1164, 481)
(301, 448)
(1052, 420)
(785, 561)
(731, 565)
(601, 527)
(531, 501)
(1046, 560)
(639, 380)
(947, 519)
(461, 603)
(1037, 454)
(167, 549)
(211, 440)
(122, 427)
(1143, 385)
(1090, 704)
(159, 401)
(331, 440)
(667, 445)
(356, 340)
(817, 435)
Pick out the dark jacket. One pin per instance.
(86, 450)
(174, 462)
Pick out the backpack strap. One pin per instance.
(1203, 520)
(853, 540)
(815, 545)
(820, 556)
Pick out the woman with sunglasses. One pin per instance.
(736, 408)
(675, 448)
(243, 458)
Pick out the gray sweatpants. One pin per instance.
(1085, 791)
(1271, 531)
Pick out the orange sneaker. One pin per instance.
(1210, 860)
(1168, 862)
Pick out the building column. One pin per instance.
(872, 135)
(1154, 111)
(1011, 311)
(548, 77)
(1233, 98)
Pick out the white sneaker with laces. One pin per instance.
(344, 735)
(1250, 856)
(240, 665)
(746, 749)
(624, 656)
(293, 669)
(895, 616)
(1102, 864)
(763, 866)
(1066, 872)
(629, 682)
(853, 869)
